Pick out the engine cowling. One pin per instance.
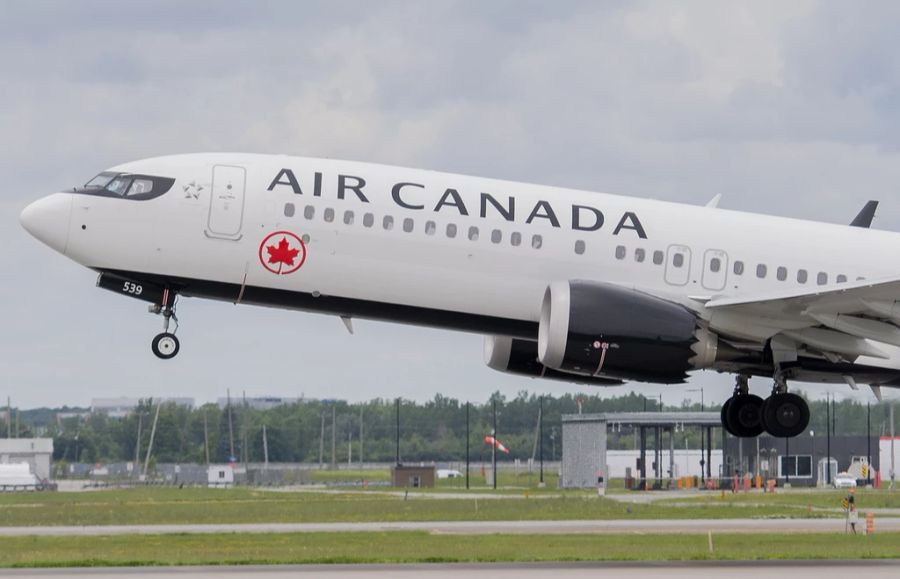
(515, 356)
(598, 329)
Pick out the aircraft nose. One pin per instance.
(47, 219)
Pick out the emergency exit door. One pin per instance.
(226, 203)
(678, 264)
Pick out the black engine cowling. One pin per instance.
(597, 329)
(520, 357)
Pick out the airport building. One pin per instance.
(122, 407)
(258, 402)
(35, 452)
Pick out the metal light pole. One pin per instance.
(494, 446)
(541, 438)
(468, 405)
(868, 443)
(827, 440)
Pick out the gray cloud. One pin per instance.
(785, 108)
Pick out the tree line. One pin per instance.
(315, 431)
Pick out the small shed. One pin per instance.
(220, 476)
(412, 476)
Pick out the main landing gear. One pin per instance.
(782, 414)
(166, 345)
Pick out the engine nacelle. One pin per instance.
(520, 357)
(598, 329)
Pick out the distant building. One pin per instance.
(122, 407)
(258, 402)
(36, 452)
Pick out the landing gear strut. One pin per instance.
(166, 345)
(782, 414)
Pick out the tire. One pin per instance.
(724, 417)
(744, 415)
(165, 346)
(785, 415)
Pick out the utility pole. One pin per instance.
(868, 442)
(350, 446)
(16, 431)
(494, 446)
(231, 457)
(360, 435)
(827, 440)
(137, 444)
(322, 441)
(152, 436)
(398, 432)
(245, 450)
(541, 437)
(893, 472)
(8, 417)
(206, 437)
(333, 436)
(265, 448)
(468, 404)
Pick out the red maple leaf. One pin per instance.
(282, 253)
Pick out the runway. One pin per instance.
(690, 570)
(474, 527)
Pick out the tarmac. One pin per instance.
(817, 525)
(670, 570)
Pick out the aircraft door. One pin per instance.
(226, 203)
(678, 264)
(715, 269)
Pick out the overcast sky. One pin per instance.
(787, 108)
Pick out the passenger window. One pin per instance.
(802, 276)
(408, 225)
(537, 241)
(781, 273)
(388, 222)
(715, 264)
(515, 239)
(841, 278)
(368, 220)
(620, 252)
(640, 255)
(329, 215)
(761, 271)
(473, 233)
(430, 228)
(579, 247)
(309, 212)
(496, 236)
(738, 268)
(348, 218)
(658, 257)
(822, 278)
(678, 260)
(451, 230)
(288, 209)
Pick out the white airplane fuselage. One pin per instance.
(439, 249)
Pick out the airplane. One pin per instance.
(567, 285)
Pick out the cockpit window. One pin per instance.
(100, 181)
(126, 185)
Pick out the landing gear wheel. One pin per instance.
(785, 415)
(724, 417)
(165, 346)
(744, 415)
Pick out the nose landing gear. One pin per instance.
(166, 345)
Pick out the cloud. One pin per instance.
(785, 108)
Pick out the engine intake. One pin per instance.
(602, 330)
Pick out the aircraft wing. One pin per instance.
(840, 319)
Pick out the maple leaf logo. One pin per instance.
(284, 256)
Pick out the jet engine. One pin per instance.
(602, 330)
(515, 356)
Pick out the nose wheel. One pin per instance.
(165, 345)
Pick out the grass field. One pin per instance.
(150, 506)
(420, 547)
(822, 499)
